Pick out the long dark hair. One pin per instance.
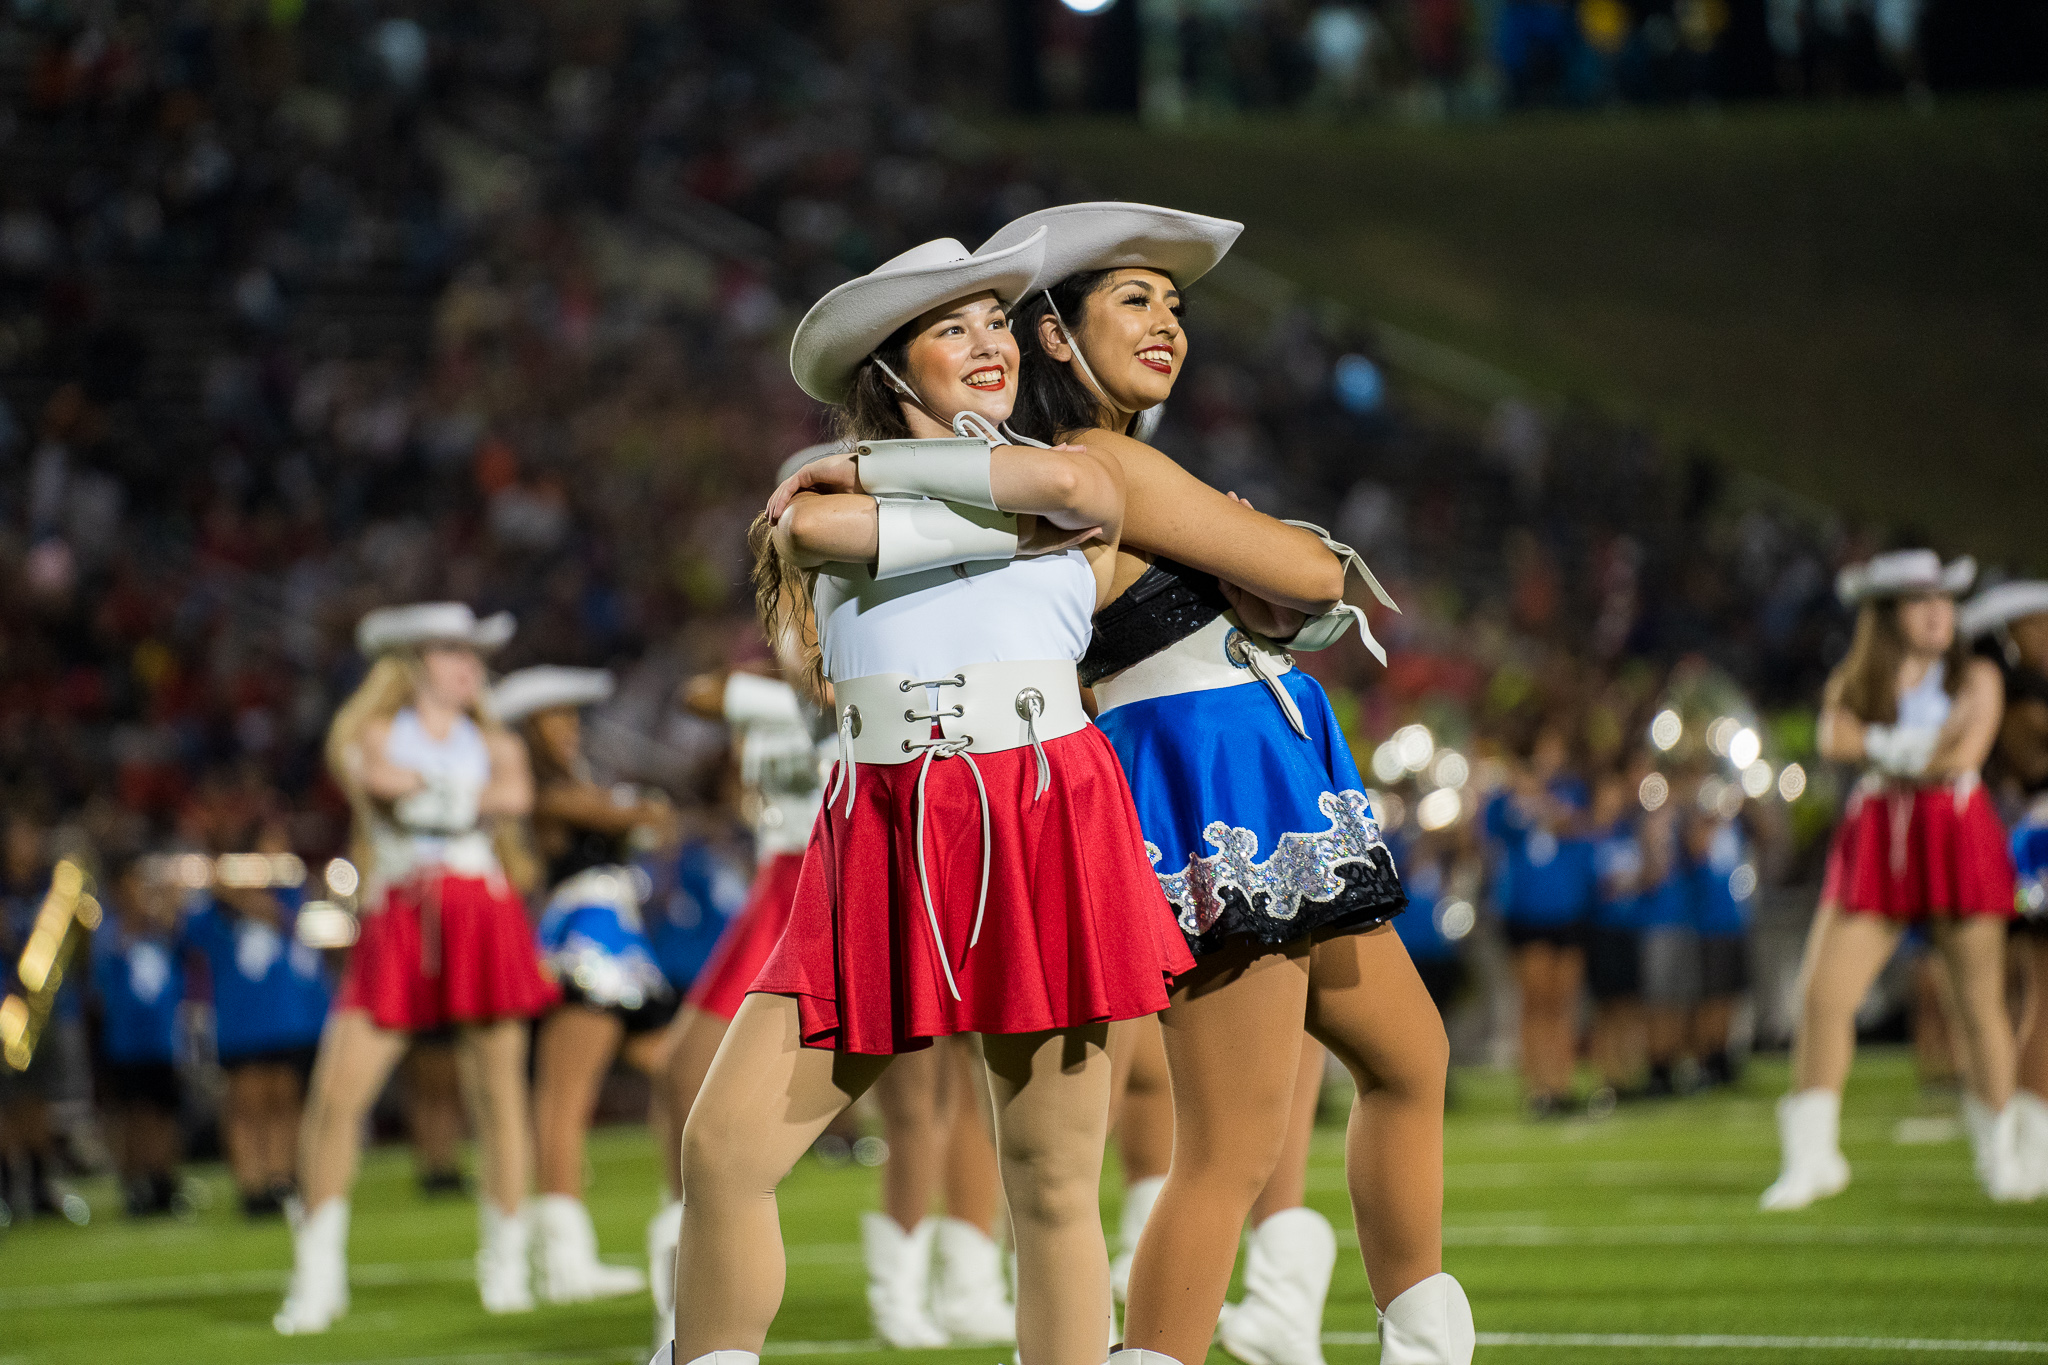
(1866, 683)
(872, 411)
(1053, 401)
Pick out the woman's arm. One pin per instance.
(1841, 734)
(827, 528)
(1972, 726)
(509, 790)
(1171, 512)
(382, 779)
(1068, 486)
(586, 805)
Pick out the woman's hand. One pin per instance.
(1037, 537)
(834, 474)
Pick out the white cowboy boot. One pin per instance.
(1287, 1265)
(899, 1280)
(1995, 1150)
(569, 1269)
(666, 1355)
(1428, 1323)
(1134, 1357)
(504, 1271)
(664, 1232)
(319, 1288)
(970, 1302)
(2033, 1141)
(1810, 1140)
(1139, 1197)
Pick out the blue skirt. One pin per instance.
(593, 941)
(1254, 831)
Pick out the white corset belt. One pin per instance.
(1220, 654)
(986, 708)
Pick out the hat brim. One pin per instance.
(844, 328)
(486, 636)
(1855, 586)
(2002, 605)
(1111, 235)
(531, 691)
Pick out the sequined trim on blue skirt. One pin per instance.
(1254, 831)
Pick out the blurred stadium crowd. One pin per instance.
(309, 308)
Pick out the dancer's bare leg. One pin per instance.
(1844, 954)
(1973, 949)
(916, 1118)
(973, 1181)
(493, 1064)
(1368, 1006)
(2032, 951)
(1233, 1037)
(693, 1041)
(1288, 1188)
(572, 1054)
(356, 1058)
(1050, 1093)
(764, 1102)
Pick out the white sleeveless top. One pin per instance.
(928, 624)
(1927, 705)
(463, 757)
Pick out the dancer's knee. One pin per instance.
(1050, 1189)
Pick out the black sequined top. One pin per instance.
(1169, 602)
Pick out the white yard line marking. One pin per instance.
(1645, 1341)
(1501, 1236)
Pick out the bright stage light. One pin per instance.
(1666, 730)
(1745, 746)
(1792, 782)
(1087, 6)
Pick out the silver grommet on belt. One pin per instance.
(1237, 648)
(1030, 702)
(853, 717)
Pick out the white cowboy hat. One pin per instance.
(1897, 573)
(531, 690)
(431, 623)
(809, 455)
(2002, 605)
(843, 328)
(1111, 235)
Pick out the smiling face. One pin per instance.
(1131, 336)
(1927, 622)
(962, 357)
(452, 675)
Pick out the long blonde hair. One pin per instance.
(388, 688)
(1866, 682)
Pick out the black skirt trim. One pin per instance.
(1372, 896)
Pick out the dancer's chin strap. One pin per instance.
(903, 387)
(1080, 361)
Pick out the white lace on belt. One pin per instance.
(1030, 705)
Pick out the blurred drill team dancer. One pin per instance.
(1918, 843)
(1263, 837)
(436, 785)
(615, 999)
(978, 866)
(2010, 625)
(773, 729)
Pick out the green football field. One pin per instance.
(1631, 1239)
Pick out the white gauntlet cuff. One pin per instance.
(913, 534)
(1320, 632)
(951, 469)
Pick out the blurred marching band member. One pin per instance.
(1919, 842)
(616, 1001)
(2010, 623)
(979, 865)
(1544, 888)
(1614, 939)
(270, 999)
(432, 777)
(1232, 753)
(138, 986)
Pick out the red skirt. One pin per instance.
(747, 941)
(1911, 852)
(446, 949)
(1075, 932)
